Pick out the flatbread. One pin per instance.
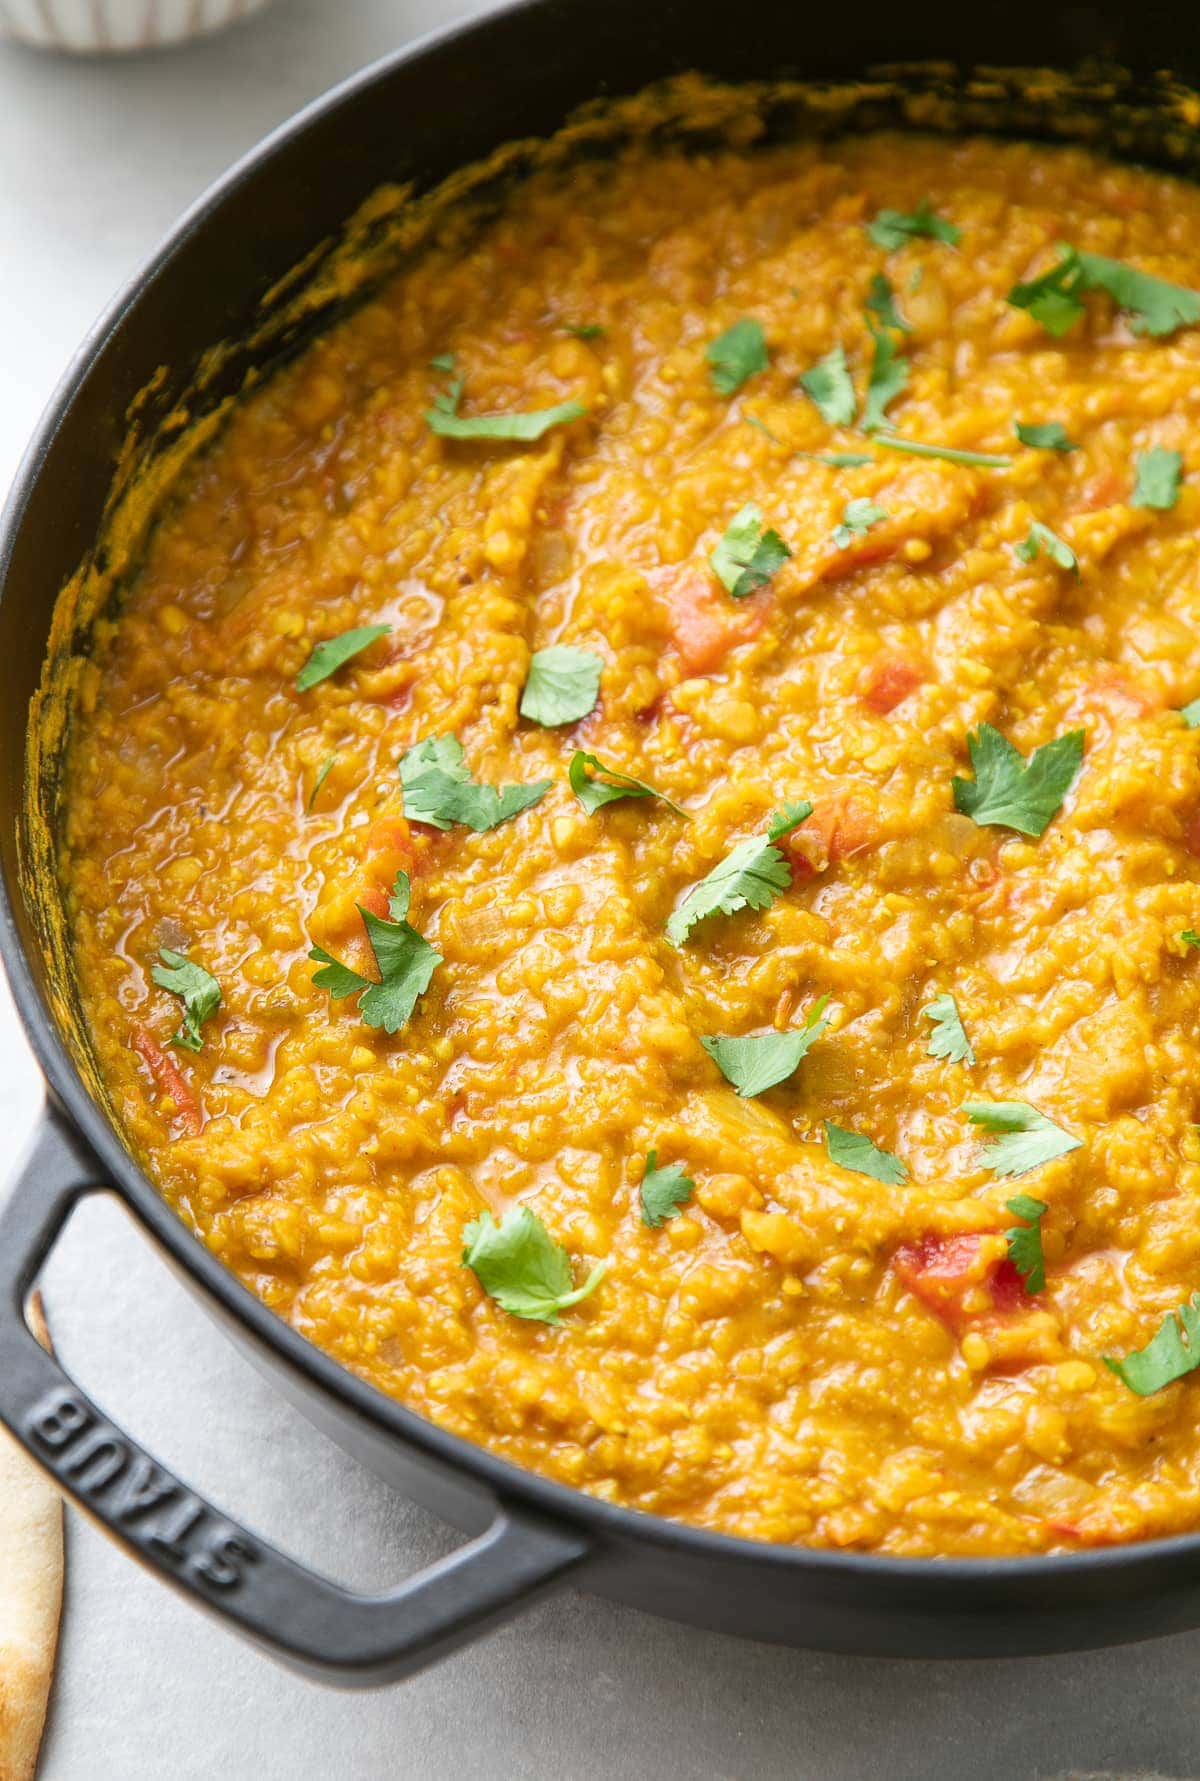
(31, 1579)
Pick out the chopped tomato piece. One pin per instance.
(390, 847)
(841, 826)
(390, 834)
(1104, 490)
(888, 681)
(1112, 697)
(860, 553)
(168, 1078)
(961, 1279)
(705, 621)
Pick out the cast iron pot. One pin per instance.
(418, 116)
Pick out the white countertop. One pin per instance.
(98, 158)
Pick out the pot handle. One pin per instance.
(310, 1623)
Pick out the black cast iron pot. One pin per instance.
(417, 117)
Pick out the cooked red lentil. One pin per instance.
(818, 1318)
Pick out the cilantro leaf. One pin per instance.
(1054, 299)
(1191, 714)
(851, 1150)
(1159, 474)
(608, 785)
(439, 790)
(445, 361)
(1013, 793)
(752, 420)
(787, 818)
(1042, 538)
(948, 1038)
(838, 460)
(584, 330)
(1044, 435)
(197, 989)
(889, 376)
(1172, 1353)
(663, 1191)
(449, 424)
(1158, 307)
(1025, 1240)
(759, 1061)
(518, 1263)
(890, 229)
(752, 876)
(340, 980)
(562, 685)
(881, 302)
(736, 355)
(323, 772)
(951, 454)
(405, 961)
(1190, 937)
(747, 556)
(858, 516)
(1025, 1138)
(330, 655)
(828, 385)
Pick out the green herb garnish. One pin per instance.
(405, 961)
(584, 330)
(196, 988)
(881, 302)
(889, 376)
(1055, 299)
(752, 420)
(562, 685)
(762, 1060)
(948, 1037)
(595, 784)
(752, 876)
(851, 1150)
(952, 454)
(518, 1263)
(445, 420)
(1057, 549)
(663, 1191)
(1025, 1240)
(1044, 435)
(1024, 1140)
(449, 424)
(1191, 714)
(858, 516)
(1190, 937)
(323, 772)
(890, 229)
(747, 556)
(838, 460)
(330, 655)
(1010, 792)
(736, 355)
(1159, 475)
(1172, 1353)
(828, 385)
(439, 790)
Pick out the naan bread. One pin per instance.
(31, 1578)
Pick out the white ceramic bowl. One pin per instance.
(90, 27)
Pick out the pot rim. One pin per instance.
(386, 1415)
